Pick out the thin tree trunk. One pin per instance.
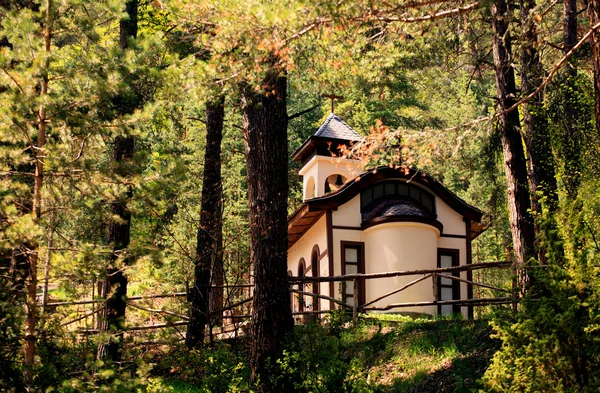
(537, 139)
(594, 15)
(115, 286)
(39, 154)
(515, 166)
(570, 139)
(265, 122)
(209, 245)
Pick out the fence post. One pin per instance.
(355, 301)
(435, 286)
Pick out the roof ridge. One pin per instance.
(325, 123)
(338, 130)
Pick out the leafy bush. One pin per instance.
(215, 370)
(553, 344)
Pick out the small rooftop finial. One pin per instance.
(332, 97)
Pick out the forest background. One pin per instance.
(107, 112)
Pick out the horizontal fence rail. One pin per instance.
(298, 287)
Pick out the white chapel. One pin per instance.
(377, 221)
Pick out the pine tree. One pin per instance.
(209, 255)
(265, 122)
(512, 145)
(115, 287)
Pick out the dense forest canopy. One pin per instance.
(145, 150)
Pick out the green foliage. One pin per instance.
(389, 355)
(11, 322)
(111, 379)
(552, 345)
(210, 370)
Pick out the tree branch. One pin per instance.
(295, 115)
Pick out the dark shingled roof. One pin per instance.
(394, 209)
(334, 127)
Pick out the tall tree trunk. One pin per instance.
(215, 113)
(537, 139)
(39, 154)
(594, 14)
(571, 137)
(515, 165)
(265, 122)
(209, 256)
(115, 286)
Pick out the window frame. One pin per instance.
(456, 295)
(360, 268)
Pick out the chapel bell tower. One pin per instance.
(323, 170)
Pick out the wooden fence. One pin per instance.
(239, 320)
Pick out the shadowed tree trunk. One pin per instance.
(209, 256)
(115, 286)
(265, 122)
(537, 138)
(215, 114)
(571, 136)
(515, 166)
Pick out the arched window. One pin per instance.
(314, 262)
(301, 273)
(398, 197)
(309, 191)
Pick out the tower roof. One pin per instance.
(331, 134)
(334, 127)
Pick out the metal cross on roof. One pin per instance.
(332, 97)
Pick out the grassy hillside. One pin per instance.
(394, 354)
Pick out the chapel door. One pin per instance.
(353, 262)
(448, 289)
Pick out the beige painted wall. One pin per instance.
(320, 167)
(317, 235)
(452, 221)
(400, 246)
(348, 214)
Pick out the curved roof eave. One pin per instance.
(362, 182)
(312, 210)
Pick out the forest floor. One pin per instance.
(379, 355)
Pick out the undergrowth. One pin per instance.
(381, 355)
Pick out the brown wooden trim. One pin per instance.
(346, 228)
(453, 236)
(360, 267)
(323, 255)
(421, 220)
(455, 254)
(329, 227)
(469, 262)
